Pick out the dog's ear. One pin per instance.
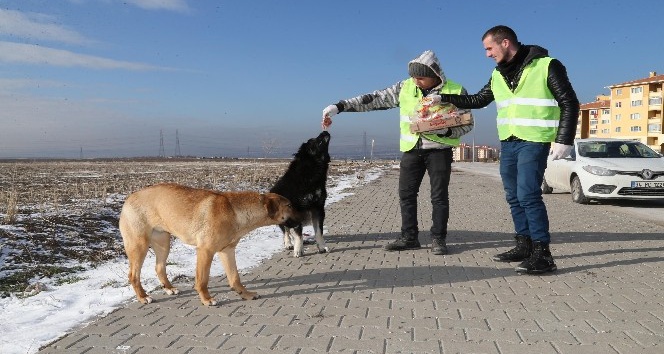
(271, 203)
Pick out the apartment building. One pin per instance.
(632, 110)
(479, 153)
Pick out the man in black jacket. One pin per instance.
(537, 106)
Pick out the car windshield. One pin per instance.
(615, 149)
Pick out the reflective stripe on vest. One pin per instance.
(409, 97)
(530, 112)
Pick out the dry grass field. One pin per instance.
(60, 217)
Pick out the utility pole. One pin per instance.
(161, 144)
(177, 144)
(372, 148)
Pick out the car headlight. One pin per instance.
(599, 171)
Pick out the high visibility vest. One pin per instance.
(409, 97)
(529, 112)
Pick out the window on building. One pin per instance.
(618, 104)
(605, 131)
(593, 131)
(637, 103)
(634, 116)
(606, 111)
(617, 116)
(606, 121)
(655, 101)
(635, 128)
(593, 122)
(618, 92)
(654, 128)
(636, 89)
(617, 129)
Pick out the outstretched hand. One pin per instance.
(328, 112)
(327, 121)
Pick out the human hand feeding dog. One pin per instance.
(212, 221)
(328, 112)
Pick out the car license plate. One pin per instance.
(644, 184)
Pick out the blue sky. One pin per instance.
(241, 78)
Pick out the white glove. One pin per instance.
(559, 151)
(431, 100)
(330, 110)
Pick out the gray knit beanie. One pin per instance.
(420, 70)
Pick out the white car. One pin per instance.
(607, 169)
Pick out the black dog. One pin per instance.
(304, 185)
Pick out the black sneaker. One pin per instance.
(438, 246)
(522, 250)
(541, 261)
(403, 244)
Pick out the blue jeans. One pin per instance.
(414, 163)
(522, 166)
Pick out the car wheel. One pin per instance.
(545, 187)
(577, 192)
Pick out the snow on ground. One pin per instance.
(27, 323)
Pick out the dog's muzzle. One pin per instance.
(291, 223)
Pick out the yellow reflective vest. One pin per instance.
(409, 97)
(530, 112)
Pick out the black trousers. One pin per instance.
(414, 163)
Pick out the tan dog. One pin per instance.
(212, 221)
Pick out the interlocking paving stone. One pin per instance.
(604, 298)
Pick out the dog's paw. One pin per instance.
(172, 291)
(289, 248)
(298, 254)
(324, 250)
(249, 295)
(210, 302)
(146, 300)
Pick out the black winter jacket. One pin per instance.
(558, 83)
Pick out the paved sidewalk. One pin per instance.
(606, 297)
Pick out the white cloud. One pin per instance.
(33, 54)
(173, 5)
(36, 27)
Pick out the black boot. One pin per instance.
(522, 251)
(541, 261)
(438, 246)
(404, 242)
